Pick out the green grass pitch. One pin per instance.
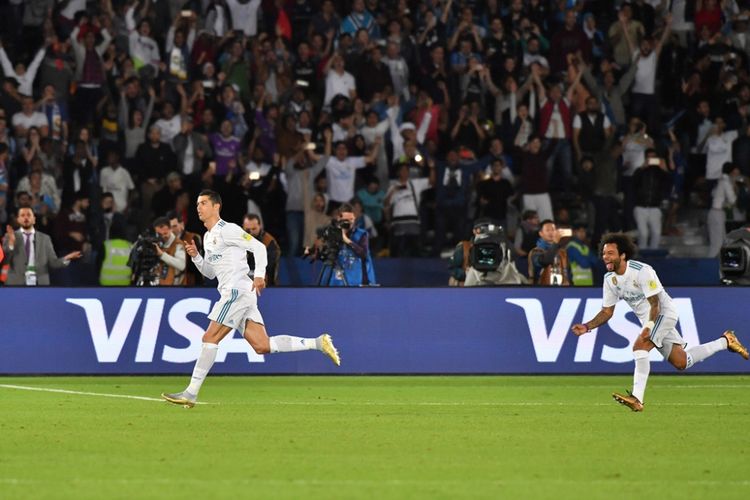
(376, 437)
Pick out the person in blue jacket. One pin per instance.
(353, 262)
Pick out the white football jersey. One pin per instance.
(225, 247)
(635, 286)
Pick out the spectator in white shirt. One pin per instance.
(341, 169)
(23, 75)
(399, 70)
(718, 149)
(644, 102)
(170, 124)
(143, 49)
(723, 196)
(372, 130)
(116, 180)
(48, 184)
(244, 15)
(533, 55)
(27, 118)
(338, 80)
(634, 146)
(408, 131)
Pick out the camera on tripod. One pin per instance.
(331, 241)
(144, 259)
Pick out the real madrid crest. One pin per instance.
(214, 242)
(614, 280)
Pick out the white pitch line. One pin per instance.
(82, 393)
(455, 403)
(356, 403)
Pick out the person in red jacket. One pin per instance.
(555, 127)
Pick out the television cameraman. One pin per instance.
(192, 275)
(158, 260)
(170, 271)
(345, 250)
(490, 261)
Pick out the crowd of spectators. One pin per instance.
(422, 114)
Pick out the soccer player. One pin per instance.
(637, 284)
(226, 246)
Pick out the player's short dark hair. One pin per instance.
(160, 221)
(623, 241)
(212, 195)
(172, 215)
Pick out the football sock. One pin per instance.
(287, 343)
(700, 352)
(640, 374)
(202, 367)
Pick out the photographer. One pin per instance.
(489, 257)
(353, 263)
(170, 270)
(192, 275)
(548, 261)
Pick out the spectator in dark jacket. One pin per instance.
(153, 160)
(651, 183)
(453, 182)
(373, 76)
(534, 179)
(569, 40)
(78, 173)
(71, 229)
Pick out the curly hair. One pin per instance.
(623, 241)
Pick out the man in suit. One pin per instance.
(30, 253)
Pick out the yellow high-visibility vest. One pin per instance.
(115, 270)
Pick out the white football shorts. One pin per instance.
(235, 307)
(664, 334)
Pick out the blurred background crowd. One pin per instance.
(420, 116)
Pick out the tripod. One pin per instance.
(328, 271)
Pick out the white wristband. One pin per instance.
(649, 325)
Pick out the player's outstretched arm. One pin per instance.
(601, 318)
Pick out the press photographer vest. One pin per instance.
(166, 273)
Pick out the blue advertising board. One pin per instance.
(377, 330)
